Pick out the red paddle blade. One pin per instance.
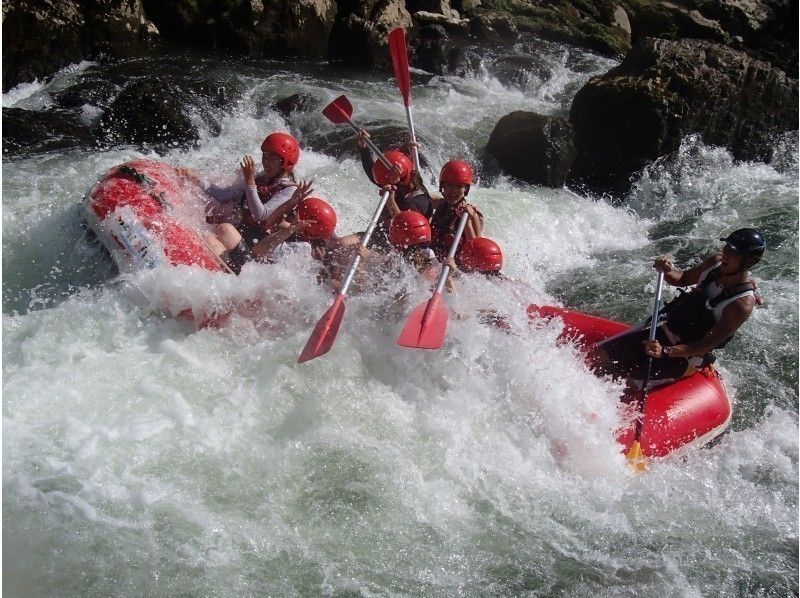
(321, 340)
(339, 110)
(426, 326)
(399, 52)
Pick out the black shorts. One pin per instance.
(628, 359)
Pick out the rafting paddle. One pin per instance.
(399, 52)
(427, 324)
(340, 111)
(634, 455)
(324, 334)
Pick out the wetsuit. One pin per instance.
(685, 319)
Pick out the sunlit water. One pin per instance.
(143, 457)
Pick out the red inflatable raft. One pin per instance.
(685, 414)
(147, 215)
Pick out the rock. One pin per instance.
(87, 91)
(299, 102)
(494, 28)
(33, 131)
(40, 38)
(156, 112)
(589, 24)
(452, 20)
(359, 35)
(437, 52)
(118, 28)
(532, 147)
(340, 142)
(517, 69)
(667, 89)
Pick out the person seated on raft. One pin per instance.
(265, 201)
(455, 180)
(695, 323)
(482, 255)
(405, 186)
(314, 223)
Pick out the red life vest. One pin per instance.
(265, 194)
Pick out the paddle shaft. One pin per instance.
(370, 143)
(652, 336)
(351, 272)
(453, 247)
(414, 151)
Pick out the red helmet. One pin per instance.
(480, 255)
(384, 176)
(456, 171)
(321, 213)
(285, 146)
(409, 228)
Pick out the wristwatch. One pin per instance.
(666, 351)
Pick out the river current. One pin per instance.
(142, 457)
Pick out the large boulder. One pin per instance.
(667, 89)
(532, 147)
(157, 112)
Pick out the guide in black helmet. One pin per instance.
(696, 322)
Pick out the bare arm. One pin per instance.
(683, 278)
(733, 316)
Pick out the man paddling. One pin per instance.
(696, 322)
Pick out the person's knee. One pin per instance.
(227, 234)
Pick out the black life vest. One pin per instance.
(444, 224)
(691, 315)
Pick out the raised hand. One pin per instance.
(302, 191)
(249, 170)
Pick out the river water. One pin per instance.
(143, 457)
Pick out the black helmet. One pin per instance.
(747, 241)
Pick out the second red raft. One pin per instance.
(684, 414)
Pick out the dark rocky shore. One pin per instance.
(724, 69)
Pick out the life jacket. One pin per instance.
(265, 193)
(691, 315)
(444, 224)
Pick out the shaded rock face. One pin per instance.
(42, 36)
(766, 29)
(665, 90)
(359, 34)
(592, 24)
(532, 147)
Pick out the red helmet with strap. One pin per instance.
(321, 213)
(409, 228)
(283, 145)
(480, 254)
(385, 176)
(456, 171)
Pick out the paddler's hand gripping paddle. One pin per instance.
(634, 455)
(321, 340)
